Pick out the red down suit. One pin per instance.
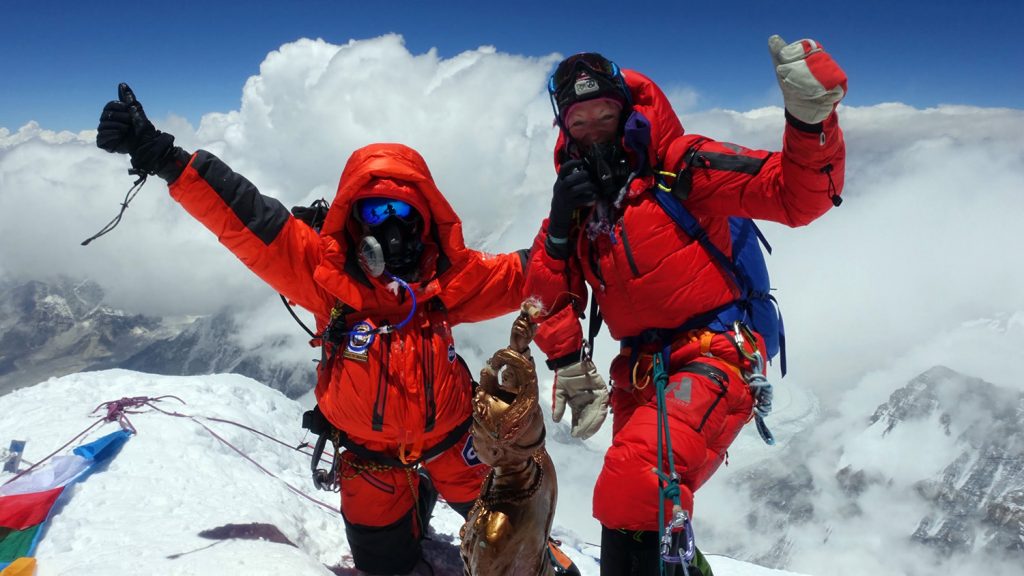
(407, 390)
(648, 274)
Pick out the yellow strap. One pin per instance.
(705, 342)
(407, 457)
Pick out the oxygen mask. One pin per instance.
(393, 240)
(608, 167)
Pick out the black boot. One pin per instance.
(638, 553)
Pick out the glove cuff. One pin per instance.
(152, 152)
(557, 248)
(174, 164)
(559, 223)
(563, 361)
(804, 126)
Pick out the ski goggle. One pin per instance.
(562, 85)
(374, 211)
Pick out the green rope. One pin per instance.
(668, 480)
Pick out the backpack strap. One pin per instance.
(679, 214)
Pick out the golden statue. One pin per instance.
(507, 530)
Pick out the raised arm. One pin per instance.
(258, 229)
(794, 186)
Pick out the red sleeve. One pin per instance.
(560, 338)
(793, 187)
(257, 229)
(561, 290)
(490, 285)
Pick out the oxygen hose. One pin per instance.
(412, 295)
(382, 329)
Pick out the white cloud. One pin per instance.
(481, 119)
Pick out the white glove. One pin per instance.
(811, 81)
(587, 394)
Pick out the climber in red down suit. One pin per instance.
(660, 291)
(386, 277)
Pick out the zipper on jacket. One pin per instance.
(428, 377)
(628, 250)
(382, 383)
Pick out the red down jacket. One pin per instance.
(408, 390)
(653, 275)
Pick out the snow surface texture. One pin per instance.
(143, 514)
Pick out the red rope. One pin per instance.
(143, 401)
(54, 453)
(116, 410)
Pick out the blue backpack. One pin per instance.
(755, 307)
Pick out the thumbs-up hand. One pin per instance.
(122, 123)
(811, 81)
(124, 129)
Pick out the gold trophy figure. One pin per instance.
(507, 529)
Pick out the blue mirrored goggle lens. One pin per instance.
(374, 211)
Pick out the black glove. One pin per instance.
(125, 129)
(573, 189)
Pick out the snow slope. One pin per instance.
(143, 514)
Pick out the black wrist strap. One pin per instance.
(557, 250)
(563, 361)
(804, 126)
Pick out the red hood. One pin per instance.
(410, 182)
(396, 162)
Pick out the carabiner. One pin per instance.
(325, 479)
(677, 542)
(742, 334)
(759, 385)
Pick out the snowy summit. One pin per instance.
(178, 500)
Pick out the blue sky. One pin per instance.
(60, 61)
